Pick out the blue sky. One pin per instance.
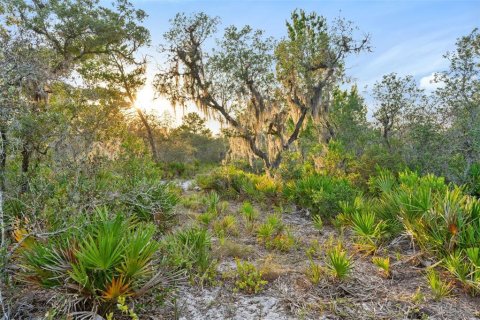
(408, 37)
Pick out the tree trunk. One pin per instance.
(26, 153)
(3, 162)
(3, 157)
(385, 138)
(2, 222)
(150, 137)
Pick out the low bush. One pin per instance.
(274, 235)
(190, 250)
(320, 194)
(248, 278)
(443, 220)
(235, 183)
(150, 201)
(90, 266)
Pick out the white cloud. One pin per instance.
(428, 83)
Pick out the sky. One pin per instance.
(408, 37)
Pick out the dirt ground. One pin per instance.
(289, 294)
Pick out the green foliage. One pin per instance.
(319, 193)
(338, 263)
(152, 201)
(283, 241)
(226, 226)
(317, 223)
(473, 180)
(211, 201)
(265, 231)
(185, 148)
(443, 220)
(232, 182)
(314, 272)
(249, 213)
(206, 218)
(440, 288)
(274, 235)
(367, 229)
(248, 278)
(383, 264)
(95, 263)
(190, 250)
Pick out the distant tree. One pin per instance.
(237, 84)
(459, 102)
(60, 37)
(348, 116)
(396, 98)
(193, 123)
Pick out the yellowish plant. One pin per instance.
(418, 296)
(249, 278)
(439, 287)
(338, 262)
(23, 237)
(116, 288)
(124, 309)
(226, 226)
(314, 272)
(283, 242)
(383, 264)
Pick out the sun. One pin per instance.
(145, 100)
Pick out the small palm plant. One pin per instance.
(212, 201)
(314, 272)
(367, 230)
(226, 226)
(383, 264)
(440, 288)
(190, 250)
(96, 264)
(249, 213)
(338, 262)
(317, 223)
(265, 232)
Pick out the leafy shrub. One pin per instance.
(95, 264)
(232, 182)
(249, 278)
(443, 220)
(320, 194)
(151, 202)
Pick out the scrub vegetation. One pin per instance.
(302, 207)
